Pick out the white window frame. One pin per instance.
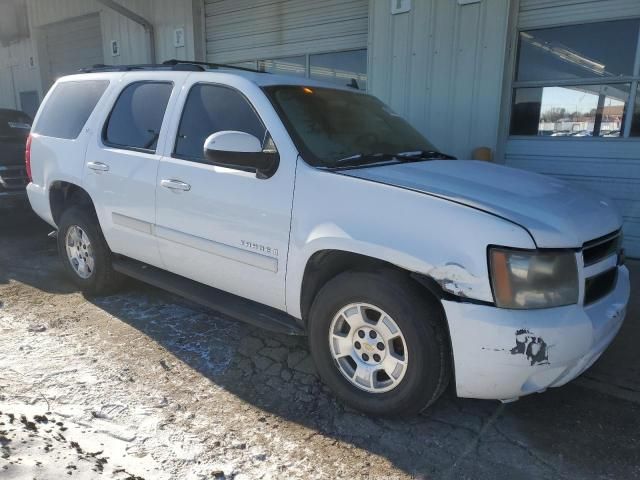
(633, 80)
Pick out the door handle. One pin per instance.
(175, 185)
(98, 166)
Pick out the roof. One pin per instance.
(181, 68)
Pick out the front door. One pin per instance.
(223, 227)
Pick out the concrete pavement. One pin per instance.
(617, 371)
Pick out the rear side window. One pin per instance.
(69, 107)
(14, 124)
(210, 109)
(136, 118)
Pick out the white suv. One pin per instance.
(308, 208)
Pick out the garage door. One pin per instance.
(7, 98)
(324, 39)
(575, 109)
(73, 44)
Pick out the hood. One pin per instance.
(556, 214)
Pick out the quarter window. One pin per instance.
(137, 115)
(69, 107)
(210, 109)
(577, 81)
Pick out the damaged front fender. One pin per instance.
(457, 280)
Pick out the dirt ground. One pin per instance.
(144, 385)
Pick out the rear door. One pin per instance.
(121, 163)
(226, 228)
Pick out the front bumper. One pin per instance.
(505, 354)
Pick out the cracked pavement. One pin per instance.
(147, 385)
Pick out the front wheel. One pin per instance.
(84, 252)
(378, 343)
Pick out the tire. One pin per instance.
(422, 343)
(100, 278)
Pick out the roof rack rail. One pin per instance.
(182, 67)
(173, 65)
(177, 63)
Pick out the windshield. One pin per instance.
(330, 126)
(14, 125)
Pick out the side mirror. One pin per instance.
(241, 151)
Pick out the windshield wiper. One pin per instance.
(363, 159)
(381, 158)
(425, 155)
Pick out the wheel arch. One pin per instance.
(325, 264)
(63, 194)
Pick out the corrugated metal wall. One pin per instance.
(167, 15)
(134, 45)
(16, 72)
(73, 44)
(548, 13)
(242, 30)
(610, 166)
(441, 66)
(42, 12)
(18, 75)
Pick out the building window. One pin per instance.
(346, 68)
(296, 66)
(342, 68)
(578, 81)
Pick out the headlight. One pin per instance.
(529, 279)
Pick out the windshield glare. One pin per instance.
(329, 124)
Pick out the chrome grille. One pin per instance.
(600, 285)
(597, 250)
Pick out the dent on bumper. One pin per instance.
(503, 354)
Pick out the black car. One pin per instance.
(14, 130)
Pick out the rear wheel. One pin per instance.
(84, 252)
(378, 343)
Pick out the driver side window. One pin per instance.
(210, 109)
